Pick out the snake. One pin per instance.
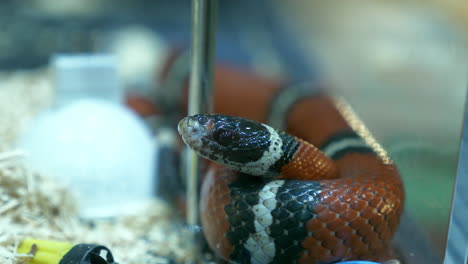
(325, 191)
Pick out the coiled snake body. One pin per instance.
(330, 196)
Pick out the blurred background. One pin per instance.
(402, 66)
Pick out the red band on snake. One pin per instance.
(327, 194)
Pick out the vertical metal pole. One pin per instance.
(201, 87)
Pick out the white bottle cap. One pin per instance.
(86, 76)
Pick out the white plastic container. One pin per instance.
(89, 141)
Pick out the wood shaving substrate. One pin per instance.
(35, 206)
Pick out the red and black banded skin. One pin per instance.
(351, 215)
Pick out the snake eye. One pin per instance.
(224, 137)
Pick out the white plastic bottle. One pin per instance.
(91, 142)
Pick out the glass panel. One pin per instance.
(402, 66)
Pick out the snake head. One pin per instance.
(235, 142)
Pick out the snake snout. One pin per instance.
(191, 131)
(182, 126)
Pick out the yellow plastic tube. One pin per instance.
(45, 251)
